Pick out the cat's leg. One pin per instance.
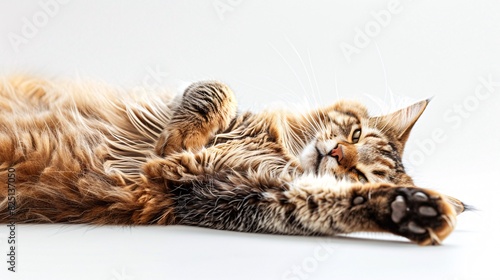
(312, 206)
(188, 165)
(205, 109)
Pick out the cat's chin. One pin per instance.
(309, 159)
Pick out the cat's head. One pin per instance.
(350, 144)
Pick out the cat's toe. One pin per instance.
(423, 216)
(177, 167)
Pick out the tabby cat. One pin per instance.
(90, 154)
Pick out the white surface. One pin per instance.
(280, 52)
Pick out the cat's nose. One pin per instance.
(337, 152)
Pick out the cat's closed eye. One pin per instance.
(360, 176)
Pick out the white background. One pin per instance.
(286, 53)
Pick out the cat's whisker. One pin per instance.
(313, 74)
(386, 80)
(303, 65)
(312, 120)
(336, 85)
(290, 67)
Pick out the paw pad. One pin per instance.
(420, 196)
(413, 227)
(399, 209)
(427, 211)
(420, 215)
(358, 200)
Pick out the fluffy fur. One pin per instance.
(92, 154)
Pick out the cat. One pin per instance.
(74, 153)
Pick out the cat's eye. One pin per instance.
(356, 135)
(361, 177)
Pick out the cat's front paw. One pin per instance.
(422, 216)
(175, 139)
(206, 108)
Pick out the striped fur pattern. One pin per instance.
(92, 154)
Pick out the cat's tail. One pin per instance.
(82, 198)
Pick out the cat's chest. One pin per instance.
(256, 143)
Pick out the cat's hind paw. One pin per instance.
(422, 216)
(177, 167)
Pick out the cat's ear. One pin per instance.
(401, 122)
